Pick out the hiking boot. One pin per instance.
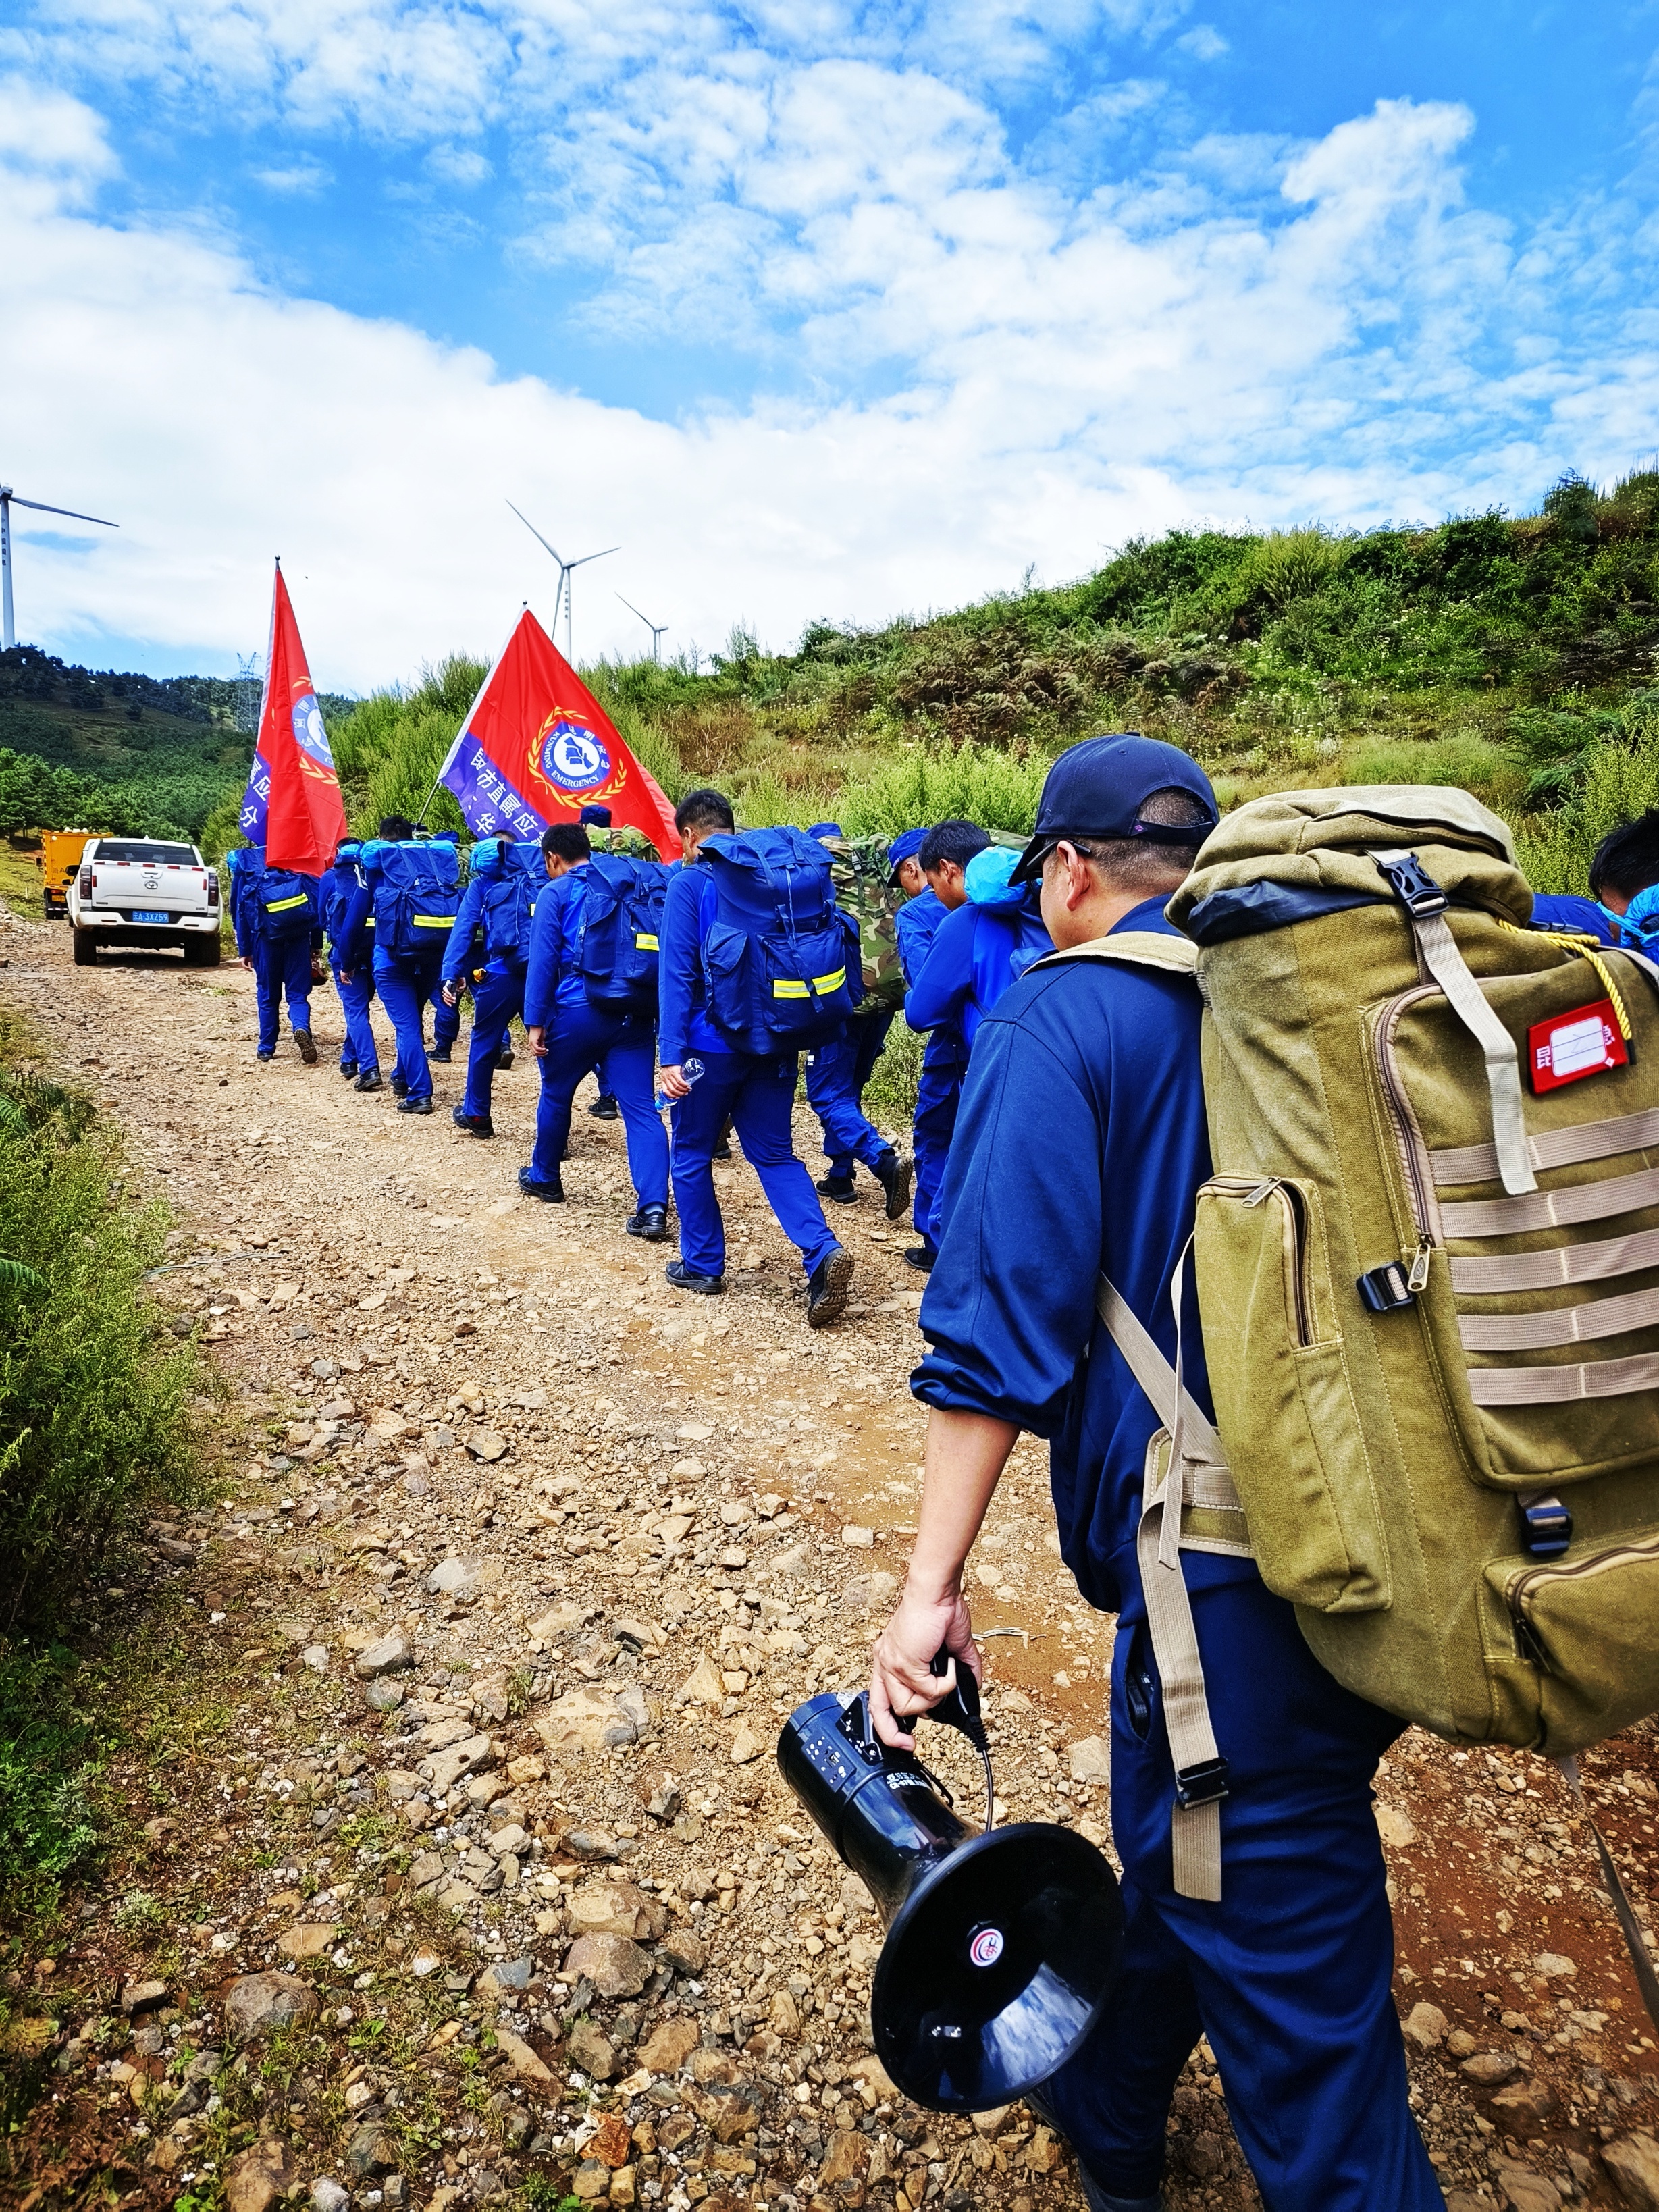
(504, 1057)
(476, 1125)
(722, 1150)
(400, 1087)
(414, 1105)
(706, 1286)
(826, 1288)
(605, 1108)
(307, 1048)
(347, 1068)
(893, 1172)
(439, 1053)
(842, 1189)
(919, 1257)
(550, 1194)
(266, 1056)
(651, 1222)
(369, 1080)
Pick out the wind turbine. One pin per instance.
(8, 499)
(566, 569)
(656, 630)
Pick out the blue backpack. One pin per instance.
(417, 890)
(512, 875)
(621, 924)
(285, 903)
(780, 961)
(339, 886)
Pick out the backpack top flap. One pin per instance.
(768, 879)
(1281, 860)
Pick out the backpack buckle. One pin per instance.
(1387, 1288)
(1549, 1526)
(1203, 1784)
(1412, 884)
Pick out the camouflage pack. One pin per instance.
(859, 868)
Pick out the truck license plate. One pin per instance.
(146, 913)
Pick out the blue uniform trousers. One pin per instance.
(496, 999)
(355, 997)
(836, 1073)
(1289, 1975)
(938, 1094)
(446, 1021)
(404, 986)
(759, 1095)
(281, 970)
(574, 1038)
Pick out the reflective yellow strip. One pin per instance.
(646, 944)
(434, 921)
(822, 984)
(281, 906)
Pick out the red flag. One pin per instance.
(304, 817)
(537, 747)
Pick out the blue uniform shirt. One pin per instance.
(469, 922)
(687, 913)
(970, 964)
(1080, 1144)
(1561, 910)
(553, 977)
(915, 925)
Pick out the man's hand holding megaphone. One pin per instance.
(966, 1455)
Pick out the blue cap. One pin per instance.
(595, 818)
(1097, 788)
(904, 847)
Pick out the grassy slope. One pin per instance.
(1512, 656)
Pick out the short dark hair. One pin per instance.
(1133, 864)
(1627, 859)
(566, 841)
(704, 810)
(951, 840)
(396, 829)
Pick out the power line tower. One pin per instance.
(250, 688)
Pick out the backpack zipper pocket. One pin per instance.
(1523, 1591)
(1579, 1659)
(1408, 1136)
(1296, 1228)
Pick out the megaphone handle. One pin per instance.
(964, 1699)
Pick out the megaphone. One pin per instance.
(1001, 1946)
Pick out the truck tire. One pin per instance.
(85, 948)
(201, 951)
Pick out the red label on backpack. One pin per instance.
(1585, 1042)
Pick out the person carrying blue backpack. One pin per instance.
(978, 949)
(359, 1055)
(590, 992)
(498, 904)
(412, 889)
(275, 914)
(757, 963)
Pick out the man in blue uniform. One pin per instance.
(836, 1072)
(1287, 1974)
(405, 986)
(707, 1081)
(495, 963)
(359, 1055)
(279, 936)
(1623, 881)
(934, 868)
(568, 1032)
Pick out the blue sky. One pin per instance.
(818, 309)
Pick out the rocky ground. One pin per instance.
(472, 1874)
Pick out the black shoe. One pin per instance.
(921, 1259)
(399, 1086)
(706, 1286)
(1093, 2195)
(550, 1194)
(651, 1222)
(826, 1288)
(439, 1053)
(842, 1189)
(370, 1081)
(604, 1108)
(722, 1152)
(414, 1105)
(477, 1125)
(267, 1056)
(894, 1175)
(504, 1057)
(347, 1068)
(307, 1048)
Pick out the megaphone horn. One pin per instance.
(1001, 1946)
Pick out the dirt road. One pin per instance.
(523, 1560)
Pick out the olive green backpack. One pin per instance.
(1427, 1264)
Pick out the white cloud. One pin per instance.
(46, 136)
(300, 180)
(1204, 43)
(460, 165)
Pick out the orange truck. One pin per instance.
(57, 860)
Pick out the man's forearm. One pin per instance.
(965, 1456)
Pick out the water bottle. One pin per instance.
(690, 1067)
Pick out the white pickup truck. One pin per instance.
(144, 890)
